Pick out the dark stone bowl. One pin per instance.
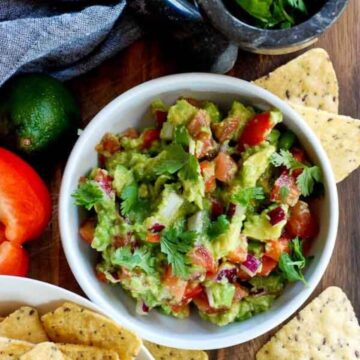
(264, 41)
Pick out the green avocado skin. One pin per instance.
(41, 109)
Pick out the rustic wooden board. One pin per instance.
(147, 59)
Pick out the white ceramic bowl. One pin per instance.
(131, 110)
(16, 291)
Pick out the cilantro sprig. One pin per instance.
(218, 226)
(88, 194)
(173, 158)
(139, 258)
(132, 206)
(308, 177)
(175, 243)
(293, 264)
(246, 197)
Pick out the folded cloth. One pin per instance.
(63, 38)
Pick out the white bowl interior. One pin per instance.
(44, 297)
(131, 110)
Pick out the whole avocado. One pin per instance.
(40, 110)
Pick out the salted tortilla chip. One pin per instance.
(339, 136)
(308, 80)
(327, 328)
(167, 353)
(82, 352)
(1, 319)
(43, 351)
(11, 349)
(23, 324)
(73, 324)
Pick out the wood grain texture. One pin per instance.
(147, 59)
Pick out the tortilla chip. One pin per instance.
(73, 324)
(327, 328)
(23, 324)
(167, 353)
(308, 80)
(43, 351)
(1, 319)
(339, 136)
(11, 349)
(81, 352)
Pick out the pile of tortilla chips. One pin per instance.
(309, 84)
(68, 333)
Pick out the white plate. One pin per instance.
(131, 109)
(16, 291)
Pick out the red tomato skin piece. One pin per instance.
(13, 259)
(149, 137)
(225, 167)
(256, 130)
(25, 208)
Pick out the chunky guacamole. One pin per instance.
(209, 208)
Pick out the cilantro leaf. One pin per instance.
(306, 180)
(175, 244)
(172, 159)
(88, 194)
(291, 266)
(191, 168)
(308, 177)
(218, 227)
(298, 5)
(284, 192)
(245, 196)
(285, 158)
(139, 258)
(129, 197)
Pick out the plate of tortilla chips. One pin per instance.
(43, 321)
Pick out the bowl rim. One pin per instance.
(186, 80)
(19, 282)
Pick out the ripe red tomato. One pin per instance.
(153, 237)
(25, 205)
(149, 136)
(225, 129)
(175, 285)
(301, 222)
(192, 290)
(256, 130)
(268, 265)
(208, 172)
(202, 257)
(225, 167)
(13, 259)
(199, 126)
(275, 248)
(87, 230)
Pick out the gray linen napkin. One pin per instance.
(62, 38)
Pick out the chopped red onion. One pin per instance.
(142, 308)
(157, 227)
(230, 274)
(231, 210)
(216, 208)
(251, 265)
(276, 215)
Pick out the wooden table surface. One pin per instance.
(148, 59)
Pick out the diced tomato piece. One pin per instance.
(208, 172)
(108, 145)
(2, 233)
(100, 276)
(122, 240)
(240, 293)
(175, 285)
(201, 256)
(202, 302)
(192, 290)
(160, 117)
(195, 102)
(256, 130)
(13, 259)
(131, 133)
(225, 167)
(302, 222)
(237, 256)
(199, 126)
(182, 308)
(242, 275)
(298, 154)
(287, 181)
(149, 136)
(204, 146)
(25, 203)
(153, 237)
(275, 248)
(217, 208)
(225, 130)
(268, 265)
(87, 230)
